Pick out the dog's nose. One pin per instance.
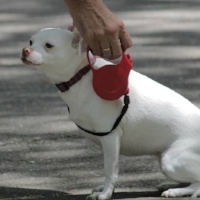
(26, 51)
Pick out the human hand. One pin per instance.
(104, 33)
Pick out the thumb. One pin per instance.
(72, 28)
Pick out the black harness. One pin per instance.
(64, 86)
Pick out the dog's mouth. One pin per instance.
(27, 62)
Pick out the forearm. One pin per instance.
(88, 11)
(99, 27)
(82, 4)
(84, 7)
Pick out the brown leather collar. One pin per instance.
(64, 86)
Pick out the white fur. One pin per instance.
(159, 121)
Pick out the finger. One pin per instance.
(74, 29)
(125, 39)
(116, 50)
(71, 28)
(95, 47)
(106, 49)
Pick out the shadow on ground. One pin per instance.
(31, 194)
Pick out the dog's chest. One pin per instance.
(77, 105)
(88, 110)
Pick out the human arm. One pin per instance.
(104, 33)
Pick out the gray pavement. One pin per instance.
(42, 154)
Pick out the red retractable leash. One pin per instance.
(110, 82)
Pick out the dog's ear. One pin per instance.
(78, 43)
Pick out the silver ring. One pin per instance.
(108, 49)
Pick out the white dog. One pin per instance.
(159, 121)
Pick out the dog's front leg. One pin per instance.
(111, 150)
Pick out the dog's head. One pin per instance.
(52, 50)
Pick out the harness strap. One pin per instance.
(64, 86)
(118, 120)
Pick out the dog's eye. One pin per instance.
(30, 42)
(48, 45)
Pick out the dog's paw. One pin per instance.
(98, 189)
(181, 192)
(170, 185)
(98, 196)
(169, 193)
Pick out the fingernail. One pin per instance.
(70, 28)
